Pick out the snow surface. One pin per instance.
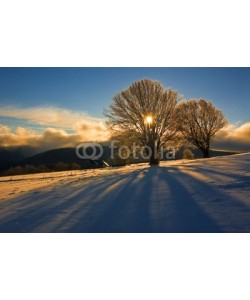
(205, 195)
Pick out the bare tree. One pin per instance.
(61, 166)
(144, 113)
(199, 121)
(74, 166)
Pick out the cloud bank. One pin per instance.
(57, 123)
(85, 128)
(233, 137)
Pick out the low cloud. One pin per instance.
(4, 129)
(57, 122)
(84, 128)
(49, 139)
(232, 137)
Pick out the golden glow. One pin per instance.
(148, 119)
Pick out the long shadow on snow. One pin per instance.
(138, 208)
(149, 200)
(30, 211)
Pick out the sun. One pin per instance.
(149, 119)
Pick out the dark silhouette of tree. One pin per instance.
(74, 166)
(61, 166)
(29, 169)
(42, 169)
(144, 113)
(199, 121)
(14, 171)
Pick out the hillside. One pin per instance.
(51, 157)
(208, 195)
(11, 155)
(198, 154)
(21, 156)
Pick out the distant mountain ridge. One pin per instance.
(11, 155)
(29, 156)
(51, 157)
(25, 155)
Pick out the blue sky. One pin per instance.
(91, 89)
(60, 107)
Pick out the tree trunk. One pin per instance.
(154, 161)
(154, 158)
(206, 153)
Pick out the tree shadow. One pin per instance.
(231, 211)
(211, 173)
(155, 199)
(38, 210)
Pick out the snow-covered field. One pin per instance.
(208, 195)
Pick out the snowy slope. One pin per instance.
(208, 195)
